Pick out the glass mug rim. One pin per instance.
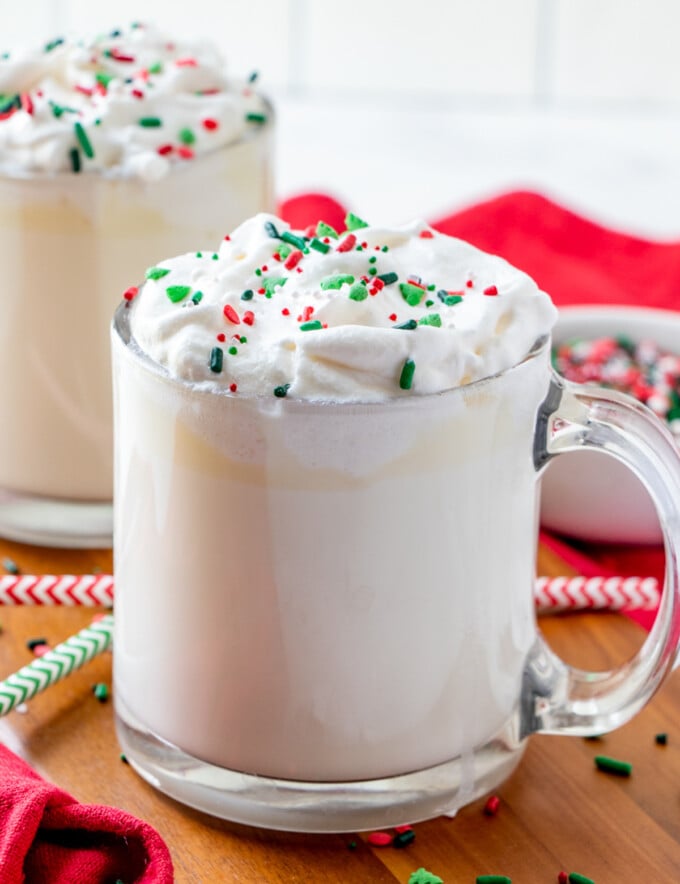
(120, 326)
(115, 173)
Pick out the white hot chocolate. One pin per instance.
(324, 479)
(105, 148)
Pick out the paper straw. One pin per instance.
(55, 664)
(555, 594)
(92, 590)
(552, 594)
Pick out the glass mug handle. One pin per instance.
(557, 698)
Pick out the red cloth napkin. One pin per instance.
(47, 837)
(577, 262)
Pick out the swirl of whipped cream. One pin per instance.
(129, 103)
(361, 316)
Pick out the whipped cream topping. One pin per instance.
(361, 316)
(132, 102)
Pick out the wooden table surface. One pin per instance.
(557, 811)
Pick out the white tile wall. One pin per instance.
(620, 50)
(536, 51)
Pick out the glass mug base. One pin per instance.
(291, 805)
(52, 521)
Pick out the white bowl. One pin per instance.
(589, 495)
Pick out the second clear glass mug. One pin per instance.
(324, 613)
(70, 245)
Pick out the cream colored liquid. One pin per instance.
(323, 592)
(69, 247)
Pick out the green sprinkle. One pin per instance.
(157, 272)
(661, 739)
(422, 876)
(155, 68)
(256, 118)
(388, 278)
(493, 879)
(177, 293)
(215, 256)
(247, 295)
(352, 845)
(431, 319)
(103, 78)
(576, 878)
(336, 282)
(409, 325)
(6, 104)
(385, 248)
(448, 299)
(358, 292)
(123, 757)
(233, 351)
(243, 339)
(10, 566)
(216, 359)
(431, 288)
(270, 230)
(272, 283)
(283, 251)
(186, 136)
(101, 692)
(407, 372)
(83, 140)
(312, 325)
(354, 222)
(282, 391)
(613, 765)
(429, 303)
(372, 259)
(402, 839)
(150, 122)
(197, 297)
(323, 229)
(298, 241)
(199, 254)
(53, 44)
(74, 155)
(412, 294)
(322, 247)
(372, 271)
(258, 271)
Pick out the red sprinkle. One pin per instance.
(233, 387)
(40, 650)
(165, 149)
(27, 103)
(393, 317)
(231, 314)
(286, 311)
(469, 283)
(379, 839)
(492, 805)
(249, 317)
(426, 234)
(563, 878)
(221, 337)
(293, 259)
(210, 124)
(400, 829)
(307, 314)
(117, 55)
(186, 63)
(185, 152)
(347, 244)
(137, 93)
(130, 293)
(491, 290)
(84, 90)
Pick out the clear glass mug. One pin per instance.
(69, 246)
(324, 613)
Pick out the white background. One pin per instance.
(417, 108)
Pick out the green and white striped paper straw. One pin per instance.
(55, 664)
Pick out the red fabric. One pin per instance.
(46, 837)
(577, 262)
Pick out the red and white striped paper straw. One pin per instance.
(551, 594)
(555, 594)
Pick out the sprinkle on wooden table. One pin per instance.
(492, 805)
(577, 878)
(403, 839)
(422, 876)
(493, 879)
(563, 878)
(33, 643)
(379, 839)
(613, 765)
(124, 758)
(10, 566)
(661, 739)
(101, 691)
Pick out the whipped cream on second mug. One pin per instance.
(131, 102)
(360, 316)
